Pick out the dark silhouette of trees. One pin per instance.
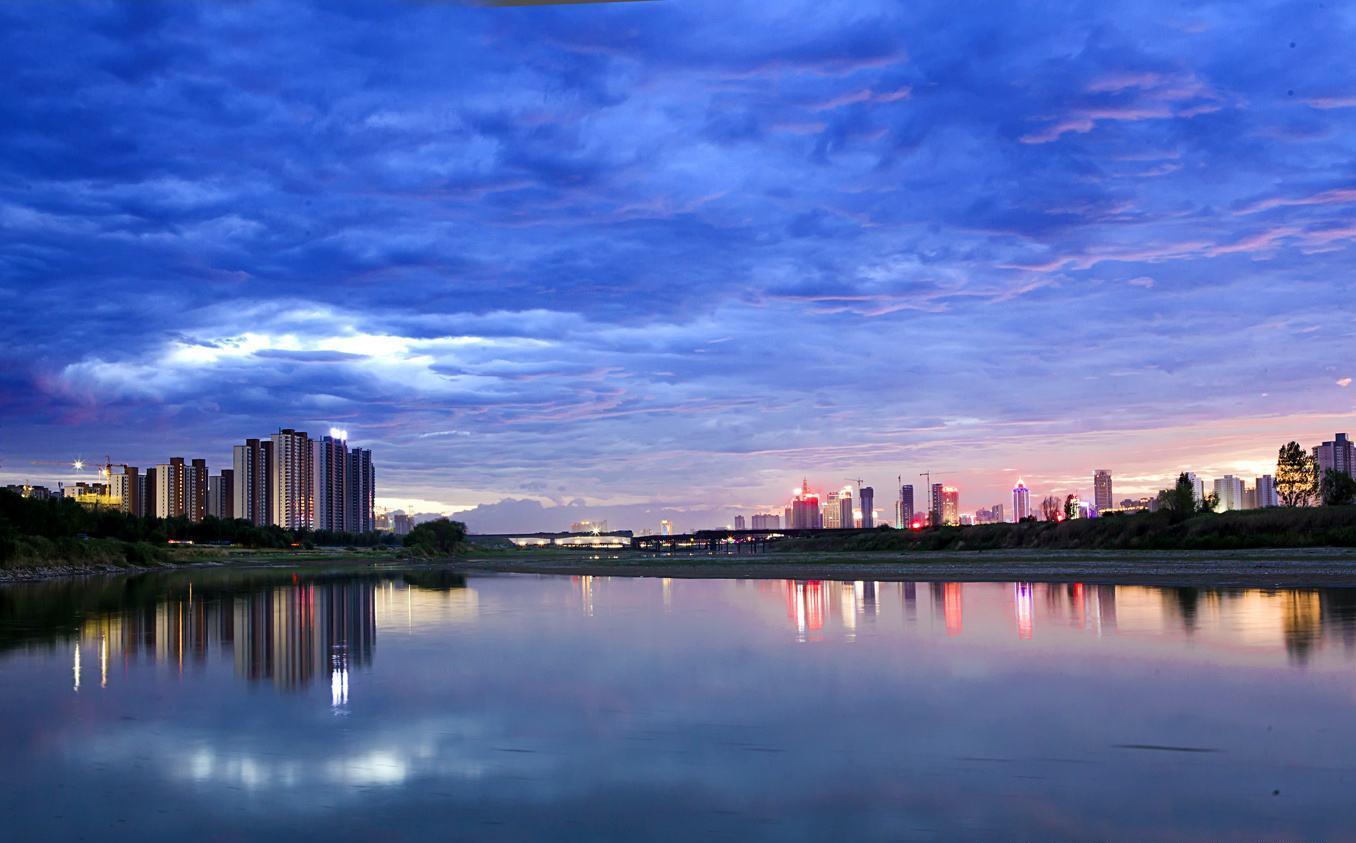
(1337, 488)
(439, 537)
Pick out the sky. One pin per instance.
(666, 259)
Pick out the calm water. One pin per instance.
(232, 706)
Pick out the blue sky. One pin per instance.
(672, 256)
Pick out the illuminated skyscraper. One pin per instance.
(935, 505)
(1101, 490)
(868, 496)
(950, 506)
(292, 480)
(904, 509)
(666, 527)
(805, 514)
(833, 513)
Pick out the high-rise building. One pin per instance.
(739, 523)
(252, 464)
(221, 494)
(868, 496)
(935, 505)
(666, 527)
(331, 483)
(805, 514)
(361, 492)
(767, 521)
(1266, 492)
(195, 490)
(904, 509)
(171, 489)
(833, 512)
(1021, 502)
(123, 488)
(950, 506)
(1249, 497)
(292, 480)
(1197, 487)
(1229, 491)
(1101, 490)
(1337, 455)
(402, 523)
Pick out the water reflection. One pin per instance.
(1303, 620)
(513, 707)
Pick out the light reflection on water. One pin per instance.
(518, 707)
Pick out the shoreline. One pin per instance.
(1304, 568)
(1274, 568)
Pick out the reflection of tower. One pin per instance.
(805, 608)
(847, 605)
(952, 606)
(294, 633)
(910, 601)
(1023, 594)
(870, 608)
(1106, 605)
(585, 594)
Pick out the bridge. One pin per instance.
(737, 542)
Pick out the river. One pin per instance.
(272, 705)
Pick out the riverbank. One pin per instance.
(1305, 568)
(212, 557)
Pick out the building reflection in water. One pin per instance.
(1024, 598)
(289, 635)
(952, 607)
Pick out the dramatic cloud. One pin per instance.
(634, 258)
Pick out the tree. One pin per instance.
(1180, 500)
(441, 536)
(1070, 508)
(1295, 477)
(1338, 488)
(1051, 508)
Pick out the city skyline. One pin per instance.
(615, 254)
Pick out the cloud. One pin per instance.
(668, 254)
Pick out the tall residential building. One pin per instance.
(868, 496)
(1249, 497)
(361, 493)
(1021, 502)
(767, 521)
(1197, 487)
(171, 489)
(1266, 492)
(252, 464)
(935, 505)
(123, 488)
(1338, 455)
(950, 506)
(292, 480)
(403, 523)
(833, 512)
(1101, 490)
(904, 509)
(195, 490)
(739, 523)
(1229, 490)
(666, 527)
(331, 484)
(221, 494)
